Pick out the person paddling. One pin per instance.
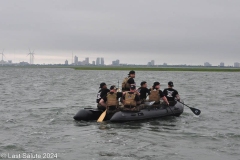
(144, 91)
(111, 99)
(101, 93)
(156, 94)
(128, 81)
(171, 94)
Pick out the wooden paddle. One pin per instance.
(103, 115)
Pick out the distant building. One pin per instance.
(76, 60)
(102, 61)
(116, 63)
(87, 60)
(84, 62)
(207, 64)
(236, 64)
(152, 62)
(93, 63)
(98, 61)
(165, 64)
(66, 62)
(221, 64)
(9, 61)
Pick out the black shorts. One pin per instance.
(101, 107)
(112, 108)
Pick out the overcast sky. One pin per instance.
(133, 31)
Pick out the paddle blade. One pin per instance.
(195, 111)
(101, 118)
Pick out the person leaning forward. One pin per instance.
(131, 99)
(111, 99)
(156, 94)
(171, 94)
(101, 93)
(128, 81)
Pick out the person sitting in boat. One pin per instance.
(131, 99)
(101, 93)
(144, 91)
(111, 99)
(171, 94)
(156, 94)
(128, 81)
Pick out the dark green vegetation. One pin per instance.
(197, 69)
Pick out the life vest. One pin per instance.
(130, 100)
(112, 99)
(125, 84)
(154, 95)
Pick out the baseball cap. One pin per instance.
(156, 84)
(132, 87)
(170, 83)
(102, 84)
(143, 82)
(131, 72)
(112, 87)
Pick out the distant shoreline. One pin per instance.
(197, 69)
(136, 68)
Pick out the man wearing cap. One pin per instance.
(128, 81)
(144, 91)
(156, 94)
(101, 93)
(171, 93)
(111, 99)
(131, 98)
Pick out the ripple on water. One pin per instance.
(13, 148)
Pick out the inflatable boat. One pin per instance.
(149, 112)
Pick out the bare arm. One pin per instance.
(137, 92)
(178, 97)
(102, 103)
(165, 99)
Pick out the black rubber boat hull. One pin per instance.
(123, 116)
(88, 114)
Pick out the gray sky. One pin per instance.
(134, 31)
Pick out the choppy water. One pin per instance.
(37, 106)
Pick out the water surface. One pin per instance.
(37, 106)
